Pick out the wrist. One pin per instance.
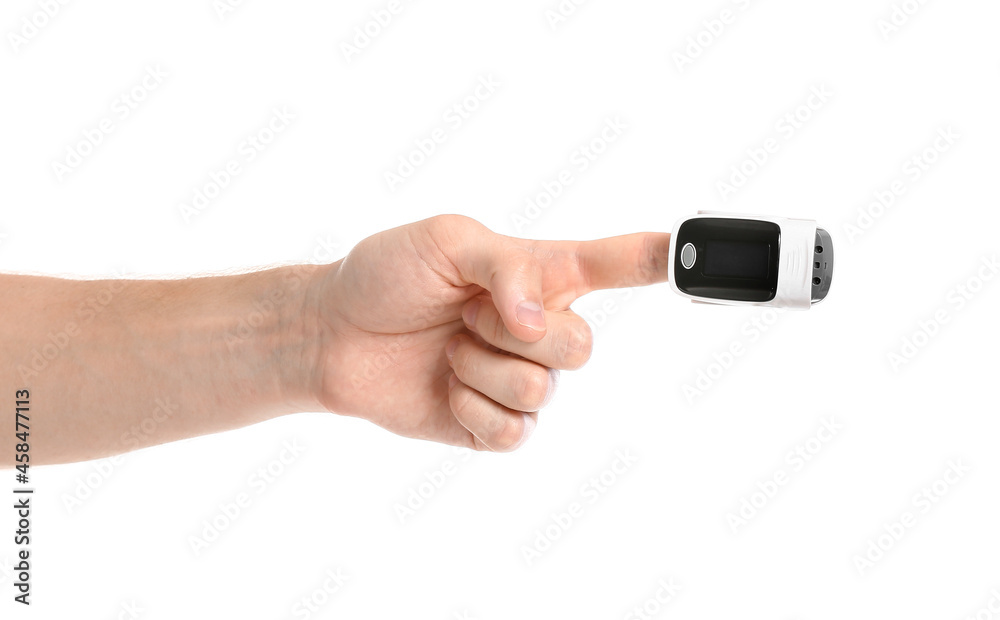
(289, 340)
(257, 334)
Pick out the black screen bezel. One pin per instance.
(700, 230)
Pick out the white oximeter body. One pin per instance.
(750, 260)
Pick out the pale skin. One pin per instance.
(439, 330)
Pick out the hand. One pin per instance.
(444, 330)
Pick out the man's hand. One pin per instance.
(444, 330)
(440, 330)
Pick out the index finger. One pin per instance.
(637, 259)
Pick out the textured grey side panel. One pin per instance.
(822, 265)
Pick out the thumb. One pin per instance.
(516, 288)
(513, 276)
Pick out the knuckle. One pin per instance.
(575, 346)
(522, 259)
(533, 389)
(507, 433)
(461, 400)
(450, 229)
(495, 330)
(464, 362)
(449, 221)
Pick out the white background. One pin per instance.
(322, 181)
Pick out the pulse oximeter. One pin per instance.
(731, 259)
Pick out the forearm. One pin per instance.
(115, 365)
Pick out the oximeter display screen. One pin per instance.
(728, 258)
(735, 259)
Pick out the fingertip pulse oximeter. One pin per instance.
(736, 259)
